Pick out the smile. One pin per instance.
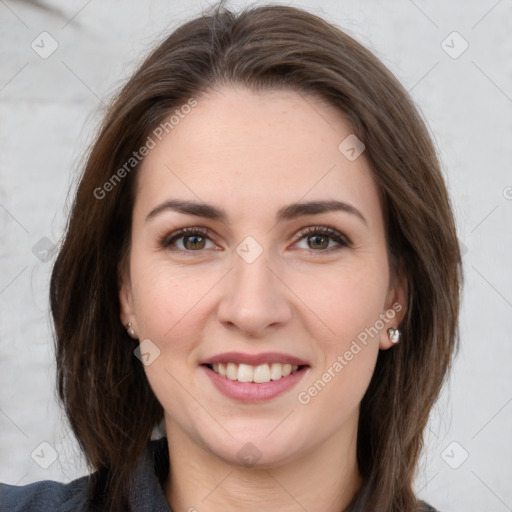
(259, 383)
(258, 374)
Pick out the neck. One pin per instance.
(323, 479)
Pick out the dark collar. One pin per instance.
(146, 492)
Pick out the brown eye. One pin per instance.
(319, 238)
(193, 240)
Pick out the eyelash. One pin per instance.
(166, 241)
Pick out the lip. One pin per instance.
(252, 392)
(255, 359)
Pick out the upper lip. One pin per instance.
(255, 359)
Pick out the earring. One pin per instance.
(394, 335)
(130, 330)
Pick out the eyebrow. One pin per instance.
(286, 213)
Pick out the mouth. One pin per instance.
(259, 374)
(254, 384)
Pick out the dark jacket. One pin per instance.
(145, 495)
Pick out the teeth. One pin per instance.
(247, 373)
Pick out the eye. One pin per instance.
(193, 240)
(320, 235)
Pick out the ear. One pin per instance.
(394, 310)
(126, 305)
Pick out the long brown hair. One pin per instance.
(106, 395)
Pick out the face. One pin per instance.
(259, 279)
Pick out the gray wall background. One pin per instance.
(49, 108)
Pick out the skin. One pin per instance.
(252, 153)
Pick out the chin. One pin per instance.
(256, 449)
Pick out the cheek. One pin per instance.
(165, 297)
(168, 311)
(350, 306)
(343, 301)
(340, 381)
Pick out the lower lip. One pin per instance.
(252, 391)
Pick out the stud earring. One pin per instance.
(394, 335)
(130, 330)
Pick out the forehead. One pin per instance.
(249, 150)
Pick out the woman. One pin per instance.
(262, 259)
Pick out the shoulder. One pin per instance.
(145, 491)
(45, 496)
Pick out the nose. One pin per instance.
(255, 298)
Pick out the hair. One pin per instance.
(105, 393)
